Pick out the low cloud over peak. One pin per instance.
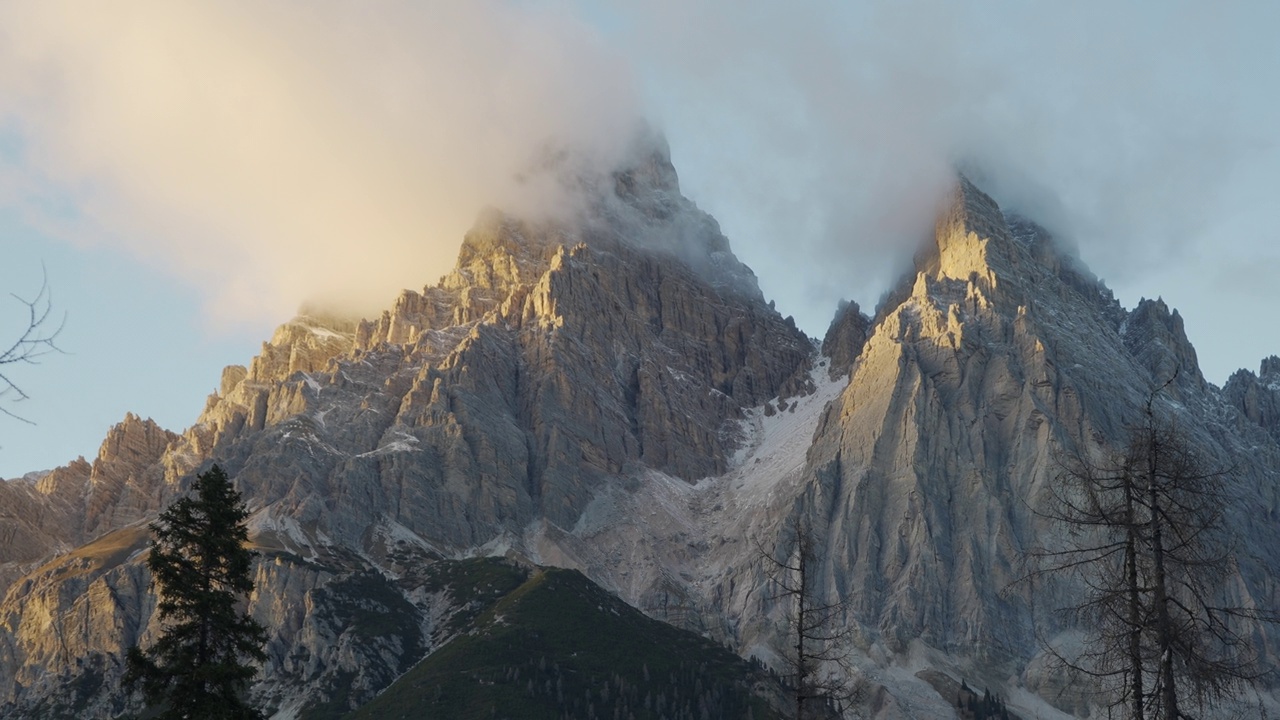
(277, 153)
(834, 126)
(336, 151)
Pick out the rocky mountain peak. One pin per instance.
(611, 392)
(1270, 371)
(134, 440)
(1155, 335)
(845, 338)
(80, 500)
(648, 171)
(1257, 397)
(971, 236)
(974, 256)
(984, 257)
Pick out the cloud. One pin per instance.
(337, 151)
(275, 153)
(822, 133)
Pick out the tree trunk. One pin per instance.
(1135, 604)
(802, 662)
(1164, 630)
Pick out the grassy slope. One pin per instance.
(559, 646)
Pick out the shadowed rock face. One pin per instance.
(556, 356)
(1257, 397)
(994, 359)
(845, 338)
(614, 394)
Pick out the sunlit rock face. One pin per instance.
(614, 394)
(557, 356)
(62, 509)
(552, 356)
(997, 357)
(991, 361)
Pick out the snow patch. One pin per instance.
(776, 445)
(285, 529)
(497, 547)
(290, 710)
(311, 383)
(401, 442)
(651, 529)
(324, 332)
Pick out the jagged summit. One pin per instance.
(980, 253)
(610, 392)
(636, 202)
(1270, 368)
(845, 337)
(1257, 397)
(971, 238)
(998, 355)
(560, 357)
(1156, 337)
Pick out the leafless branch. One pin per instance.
(38, 339)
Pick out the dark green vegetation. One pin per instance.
(986, 706)
(548, 643)
(372, 612)
(377, 613)
(200, 668)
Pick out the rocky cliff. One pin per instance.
(997, 358)
(1257, 397)
(922, 461)
(557, 356)
(43, 516)
(611, 392)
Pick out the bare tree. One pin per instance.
(819, 674)
(1096, 500)
(37, 340)
(1146, 537)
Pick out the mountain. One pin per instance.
(556, 359)
(550, 643)
(610, 392)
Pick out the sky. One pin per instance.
(187, 174)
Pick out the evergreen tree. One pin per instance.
(200, 667)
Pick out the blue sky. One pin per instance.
(188, 175)
(134, 341)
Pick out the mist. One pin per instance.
(273, 154)
(332, 153)
(823, 134)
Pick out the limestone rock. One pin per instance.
(557, 356)
(126, 484)
(1257, 397)
(78, 502)
(845, 338)
(613, 393)
(983, 369)
(1156, 337)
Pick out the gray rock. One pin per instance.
(614, 394)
